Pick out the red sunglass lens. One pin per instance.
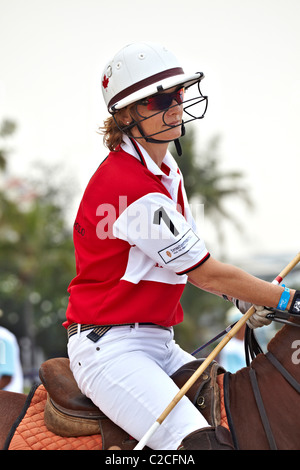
(164, 100)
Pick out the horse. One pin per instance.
(263, 405)
(262, 400)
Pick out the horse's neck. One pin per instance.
(285, 346)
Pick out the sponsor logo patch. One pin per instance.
(179, 248)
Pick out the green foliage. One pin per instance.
(7, 128)
(36, 259)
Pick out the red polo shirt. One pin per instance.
(135, 240)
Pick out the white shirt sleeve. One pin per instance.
(156, 227)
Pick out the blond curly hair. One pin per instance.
(112, 129)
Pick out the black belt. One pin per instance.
(99, 330)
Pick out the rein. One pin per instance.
(290, 379)
(252, 348)
(281, 317)
(259, 402)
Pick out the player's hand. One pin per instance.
(258, 319)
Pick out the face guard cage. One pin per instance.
(199, 104)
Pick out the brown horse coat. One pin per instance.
(280, 399)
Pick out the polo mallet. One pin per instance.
(209, 359)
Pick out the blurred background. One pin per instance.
(241, 162)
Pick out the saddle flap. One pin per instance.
(70, 413)
(63, 390)
(204, 393)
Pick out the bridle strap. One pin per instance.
(261, 409)
(291, 380)
(258, 398)
(251, 345)
(226, 380)
(252, 349)
(281, 317)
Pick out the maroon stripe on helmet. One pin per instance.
(145, 82)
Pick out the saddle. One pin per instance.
(69, 413)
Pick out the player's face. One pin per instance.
(161, 114)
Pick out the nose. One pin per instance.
(175, 108)
(173, 116)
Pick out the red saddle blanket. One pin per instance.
(32, 434)
(224, 421)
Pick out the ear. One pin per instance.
(124, 116)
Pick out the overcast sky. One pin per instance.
(52, 54)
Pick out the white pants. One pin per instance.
(126, 374)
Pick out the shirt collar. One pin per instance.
(168, 160)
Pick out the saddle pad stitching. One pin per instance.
(20, 417)
(32, 434)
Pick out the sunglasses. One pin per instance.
(163, 101)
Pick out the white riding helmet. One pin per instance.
(140, 70)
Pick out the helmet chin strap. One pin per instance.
(151, 139)
(156, 141)
(177, 142)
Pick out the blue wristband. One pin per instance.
(284, 299)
